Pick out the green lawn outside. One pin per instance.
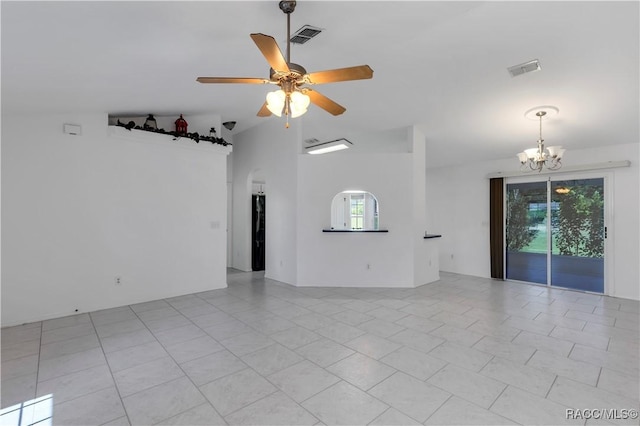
(539, 244)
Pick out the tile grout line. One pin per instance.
(381, 414)
(180, 367)
(546, 395)
(496, 400)
(535, 352)
(39, 356)
(265, 397)
(109, 367)
(599, 374)
(440, 406)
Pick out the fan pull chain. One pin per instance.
(287, 103)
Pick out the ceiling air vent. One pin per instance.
(520, 69)
(305, 34)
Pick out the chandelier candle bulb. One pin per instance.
(533, 154)
(555, 151)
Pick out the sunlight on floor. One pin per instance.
(39, 410)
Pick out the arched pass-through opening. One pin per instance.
(355, 211)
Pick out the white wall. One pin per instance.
(227, 136)
(300, 189)
(80, 210)
(425, 251)
(270, 152)
(399, 258)
(458, 208)
(341, 259)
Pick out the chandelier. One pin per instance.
(541, 157)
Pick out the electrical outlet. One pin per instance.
(118, 280)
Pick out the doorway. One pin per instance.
(258, 249)
(555, 232)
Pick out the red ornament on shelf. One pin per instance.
(181, 125)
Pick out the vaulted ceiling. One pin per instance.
(439, 65)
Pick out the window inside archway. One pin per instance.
(355, 211)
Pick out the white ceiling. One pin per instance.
(439, 65)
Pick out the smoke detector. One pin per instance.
(305, 34)
(524, 68)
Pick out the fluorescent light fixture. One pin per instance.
(323, 148)
(327, 149)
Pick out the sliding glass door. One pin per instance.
(578, 234)
(555, 233)
(526, 232)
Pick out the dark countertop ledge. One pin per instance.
(355, 231)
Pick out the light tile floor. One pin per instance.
(463, 350)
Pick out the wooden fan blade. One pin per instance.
(360, 72)
(271, 51)
(325, 103)
(246, 80)
(264, 111)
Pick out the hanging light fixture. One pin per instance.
(288, 100)
(541, 157)
(229, 125)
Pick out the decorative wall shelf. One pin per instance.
(166, 139)
(428, 236)
(196, 137)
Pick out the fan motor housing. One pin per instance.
(287, 6)
(295, 72)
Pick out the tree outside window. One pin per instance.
(578, 221)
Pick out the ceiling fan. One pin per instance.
(294, 95)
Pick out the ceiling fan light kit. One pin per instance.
(293, 97)
(535, 159)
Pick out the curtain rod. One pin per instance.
(585, 167)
